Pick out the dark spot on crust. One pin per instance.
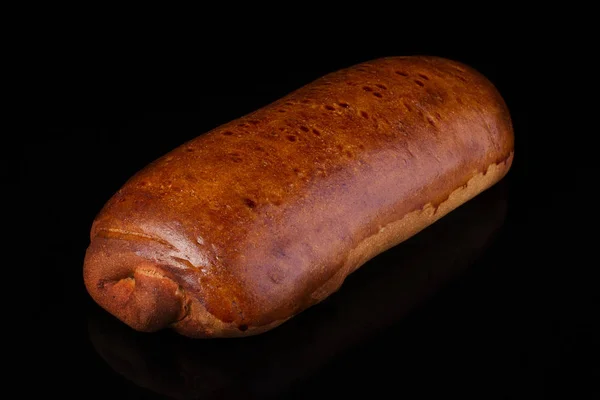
(236, 157)
(243, 327)
(249, 202)
(190, 178)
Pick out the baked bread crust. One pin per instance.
(243, 227)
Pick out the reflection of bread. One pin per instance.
(239, 229)
(373, 299)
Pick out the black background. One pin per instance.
(518, 321)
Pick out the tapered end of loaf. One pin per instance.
(137, 292)
(125, 279)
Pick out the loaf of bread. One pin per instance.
(241, 228)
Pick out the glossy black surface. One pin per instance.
(497, 300)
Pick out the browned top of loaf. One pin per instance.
(260, 208)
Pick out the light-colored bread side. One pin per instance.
(239, 229)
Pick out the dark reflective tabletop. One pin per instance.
(496, 300)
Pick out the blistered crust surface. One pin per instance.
(264, 216)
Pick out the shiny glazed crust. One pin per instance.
(241, 228)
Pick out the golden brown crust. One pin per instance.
(241, 228)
